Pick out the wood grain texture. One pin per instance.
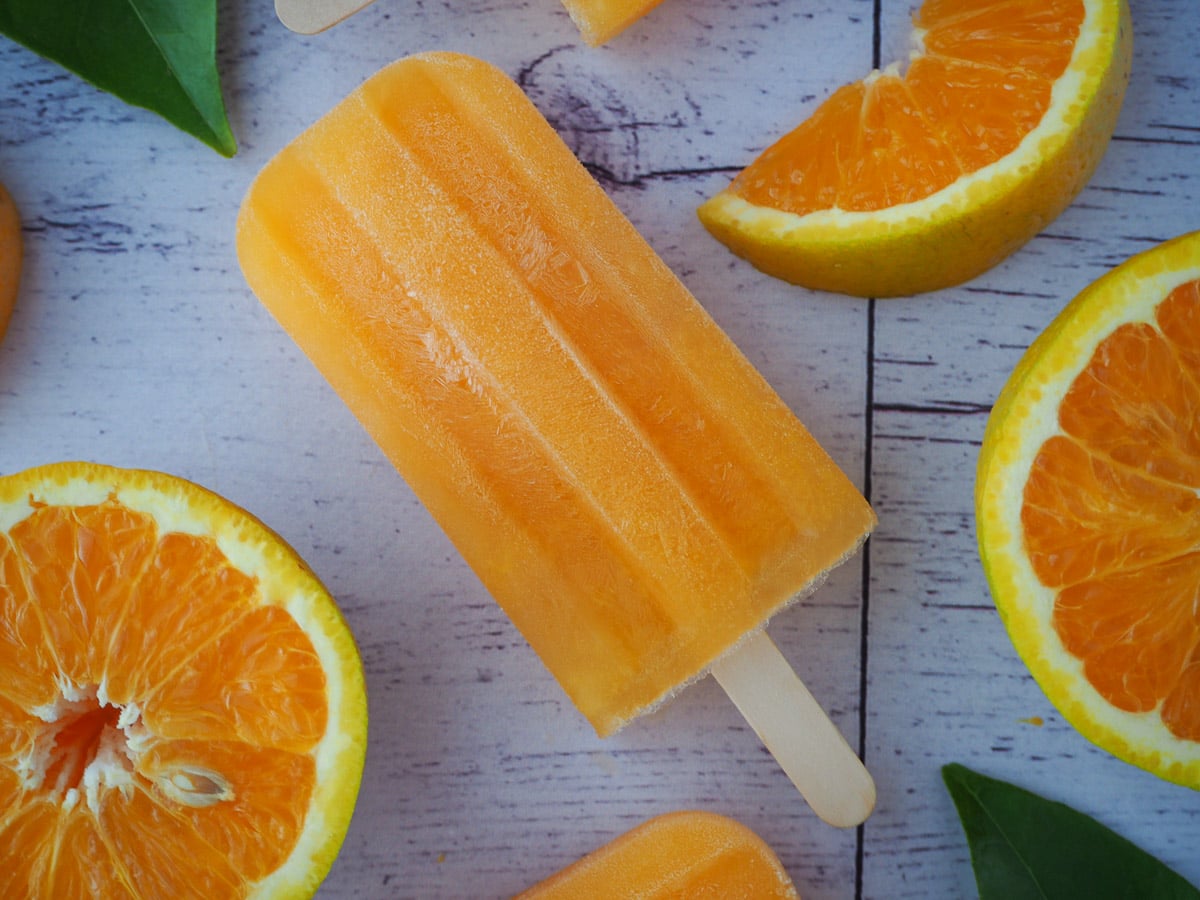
(136, 342)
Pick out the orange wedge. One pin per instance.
(913, 180)
(182, 711)
(1088, 508)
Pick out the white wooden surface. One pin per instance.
(137, 343)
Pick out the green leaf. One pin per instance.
(157, 54)
(1025, 846)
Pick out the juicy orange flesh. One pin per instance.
(1111, 515)
(227, 695)
(981, 83)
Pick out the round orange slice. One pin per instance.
(11, 254)
(913, 180)
(182, 707)
(1088, 510)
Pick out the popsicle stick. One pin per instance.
(792, 725)
(312, 16)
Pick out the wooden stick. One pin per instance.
(312, 16)
(794, 728)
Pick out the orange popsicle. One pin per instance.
(680, 854)
(626, 485)
(600, 20)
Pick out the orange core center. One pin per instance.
(77, 739)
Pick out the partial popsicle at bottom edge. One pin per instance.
(690, 853)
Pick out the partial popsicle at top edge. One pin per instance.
(601, 20)
(12, 254)
(630, 490)
(689, 853)
(597, 20)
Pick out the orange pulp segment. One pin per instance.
(980, 82)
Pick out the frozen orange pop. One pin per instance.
(626, 485)
(679, 854)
